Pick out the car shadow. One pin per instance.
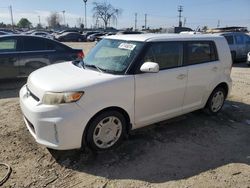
(10, 88)
(171, 150)
(240, 64)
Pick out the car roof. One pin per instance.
(163, 37)
(232, 33)
(23, 35)
(67, 33)
(33, 36)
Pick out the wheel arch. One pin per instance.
(112, 108)
(224, 85)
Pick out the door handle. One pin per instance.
(214, 68)
(181, 76)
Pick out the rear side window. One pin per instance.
(166, 54)
(230, 39)
(33, 44)
(8, 45)
(201, 52)
(239, 39)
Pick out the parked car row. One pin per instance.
(70, 35)
(90, 36)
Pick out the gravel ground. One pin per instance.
(194, 150)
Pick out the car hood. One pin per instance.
(64, 77)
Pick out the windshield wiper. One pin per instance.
(81, 64)
(93, 66)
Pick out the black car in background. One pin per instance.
(71, 37)
(22, 54)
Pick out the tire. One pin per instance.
(233, 54)
(215, 101)
(106, 131)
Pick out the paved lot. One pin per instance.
(194, 150)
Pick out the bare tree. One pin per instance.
(54, 20)
(106, 12)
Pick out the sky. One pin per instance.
(160, 13)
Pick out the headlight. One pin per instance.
(60, 98)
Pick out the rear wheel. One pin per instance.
(106, 131)
(233, 54)
(216, 101)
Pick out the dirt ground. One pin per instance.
(194, 150)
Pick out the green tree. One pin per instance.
(24, 23)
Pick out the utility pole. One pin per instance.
(145, 21)
(218, 24)
(85, 3)
(180, 10)
(39, 20)
(64, 18)
(135, 21)
(11, 15)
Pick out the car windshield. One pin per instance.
(113, 56)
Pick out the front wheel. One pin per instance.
(106, 131)
(216, 101)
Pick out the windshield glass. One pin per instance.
(113, 56)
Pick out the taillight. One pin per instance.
(80, 55)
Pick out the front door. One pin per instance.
(159, 96)
(8, 58)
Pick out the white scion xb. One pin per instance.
(125, 82)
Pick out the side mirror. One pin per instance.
(150, 67)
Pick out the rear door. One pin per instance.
(34, 55)
(9, 57)
(59, 53)
(204, 68)
(159, 96)
(240, 46)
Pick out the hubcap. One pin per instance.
(217, 101)
(107, 132)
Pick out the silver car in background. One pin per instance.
(239, 44)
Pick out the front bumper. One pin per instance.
(54, 126)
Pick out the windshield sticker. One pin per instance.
(127, 46)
